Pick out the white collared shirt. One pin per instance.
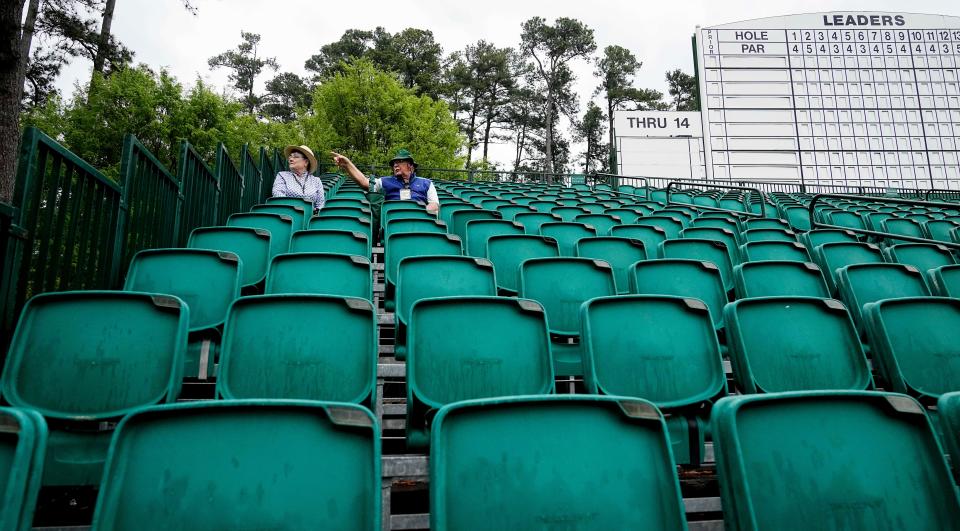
(286, 184)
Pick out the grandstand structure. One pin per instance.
(184, 352)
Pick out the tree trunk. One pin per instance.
(26, 41)
(521, 142)
(486, 133)
(12, 69)
(549, 136)
(612, 147)
(104, 42)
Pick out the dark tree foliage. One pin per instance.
(683, 91)
(245, 64)
(287, 95)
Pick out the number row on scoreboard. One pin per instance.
(833, 102)
(829, 88)
(849, 48)
(879, 75)
(872, 116)
(833, 36)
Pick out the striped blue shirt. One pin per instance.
(286, 184)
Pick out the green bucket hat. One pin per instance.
(403, 154)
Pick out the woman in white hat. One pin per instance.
(300, 181)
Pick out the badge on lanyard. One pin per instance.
(404, 194)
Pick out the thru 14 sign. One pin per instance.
(657, 124)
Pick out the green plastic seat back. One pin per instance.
(939, 229)
(916, 340)
(425, 277)
(532, 221)
(396, 226)
(389, 206)
(620, 253)
(208, 281)
(567, 213)
(480, 230)
(395, 215)
(543, 205)
(493, 204)
(794, 343)
(703, 250)
(692, 279)
(347, 211)
(670, 225)
(902, 226)
(602, 223)
(722, 235)
(321, 274)
(628, 216)
(304, 204)
(767, 235)
(846, 219)
(244, 465)
(875, 219)
(349, 224)
(459, 219)
(790, 251)
(508, 212)
(779, 278)
(22, 447)
(112, 352)
(817, 237)
(593, 208)
(716, 222)
(832, 256)
(923, 256)
(333, 357)
(948, 408)
(350, 192)
(567, 234)
(649, 235)
(624, 475)
(765, 223)
(670, 356)
(798, 217)
(945, 281)
(280, 228)
(829, 444)
(337, 201)
(252, 246)
(507, 252)
(293, 212)
(330, 241)
(404, 244)
(562, 284)
(860, 284)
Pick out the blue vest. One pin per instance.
(418, 188)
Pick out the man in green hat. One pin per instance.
(403, 185)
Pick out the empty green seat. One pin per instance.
(341, 275)
(722, 235)
(568, 213)
(508, 212)
(915, 343)
(903, 227)
(451, 357)
(860, 284)
(280, 228)
(794, 343)
(346, 211)
(561, 285)
(765, 223)
(713, 219)
(829, 444)
(507, 252)
(602, 223)
(398, 214)
(458, 220)
(88, 357)
(948, 409)
(832, 256)
(771, 278)
(346, 202)
(533, 220)
(649, 235)
(304, 204)
(923, 256)
(768, 235)
(627, 215)
(609, 465)
(939, 229)
(22, 450)
(774, 250)
(346, 223)
(671, 225)
(333, 357)
(480, 230)
(396, 226)
(404, 244)
(252, 247)
(620, 253)
(670, 356)
(703, 250)
(814, 238)
(567, 234)
(693, 279)
(945, 281)
(245, 464)
(843, 218)
(425, 277)
(330, 241)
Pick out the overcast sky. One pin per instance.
(164, 35)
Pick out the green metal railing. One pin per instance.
(200, 190)
(268, 170)
(231, 185)
(151, 195)
(252, 179)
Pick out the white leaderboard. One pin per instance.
(867, 99)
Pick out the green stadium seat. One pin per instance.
(915, 343)
(508, 212)
(620, 253)
(832, 256)
(507, 252)
(874, 220)
(125, 350)
(948, 411)
(593, 208)
(939, 229)
(389, 206)
(280, 228)
(396, 226)
(567, 234)
(903, 227)
(670, 356)
(543, 206)
(347, 211)
(860, 284)
(425, 277)
(459, 219)
(814, 238)
(609, 467)
(627, 215)
(945, 281)
(773, 278)
(398, 214)
(330, 241)
(923, 256)
(847, 219)
(339, 275)
(480, 230)
(351, 193)
(692, 279)
(568, 213)
(252, 246)
(765, 223)
(347, 202)
(829, 444)
(22, 450)
(722, 235)
(721, 222)
(768, 235)
(532, 221)
(561, 285)
(602, 223)
(757, 251)
(244, 464)
(493, 204)
(295, 212)
(404, 244)
(298, 202)
(350, 224)
(671, 225)
(450, 358)
(650, 236)
(798, 217)
(332, 359)
(704, 251)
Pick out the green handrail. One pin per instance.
(252, 179)
(231, 185)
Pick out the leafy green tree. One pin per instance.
(354, 43)
(683, 90)
(415, 56)
(590, 130)
(552, 48)
(287, 94)
(245, 65)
